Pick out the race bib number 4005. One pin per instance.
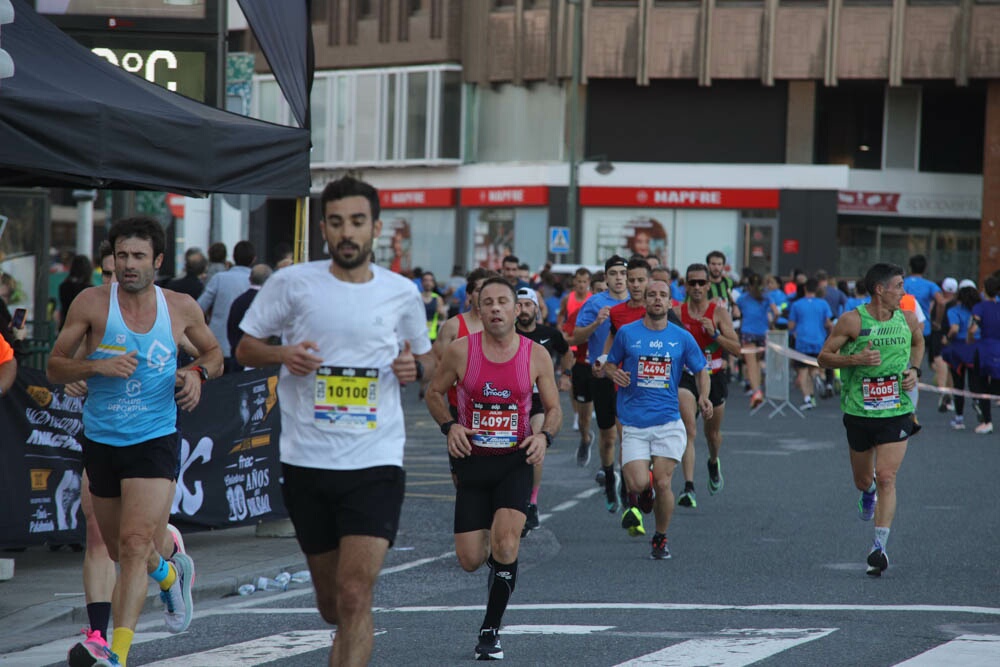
(495, 425)
(346, 398)
(880, 393)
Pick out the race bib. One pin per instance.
(654, 372)
(495, 425)
(880, 393)
(346, 399)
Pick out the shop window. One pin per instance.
(952, 126)
(378, 117)
(849, 125)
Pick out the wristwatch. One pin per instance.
(420, 369)
(914, 368)
(446, 427)
(202, 373)
(548, 438)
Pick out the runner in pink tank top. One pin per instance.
(491, 444)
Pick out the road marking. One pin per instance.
(966, 650)
(256, 651)
(55, 651)
(554, 629)
(664, 606)
(730, 648)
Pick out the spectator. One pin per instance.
(258, 276)
(283, 256)
(79, 279)
(220, 292)
(216, 260)
(831, 294)
(195, 265)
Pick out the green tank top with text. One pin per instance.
(877, 391)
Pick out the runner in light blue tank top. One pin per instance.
(126, 412)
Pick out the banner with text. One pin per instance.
(229, 464)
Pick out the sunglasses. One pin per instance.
(107, 274)
(697, 283)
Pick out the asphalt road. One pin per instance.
(769, 570)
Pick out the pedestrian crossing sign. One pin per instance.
(559, 240)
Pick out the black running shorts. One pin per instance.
(863, 433)
(581, 383)
(602, 390)
(108, 465)
(488, 483)
(718, 387)
(326, 505)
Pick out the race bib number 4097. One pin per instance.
(495, 424)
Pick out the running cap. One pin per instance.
(967, 283)
(615, 260)
(528, 293)
(949, 285)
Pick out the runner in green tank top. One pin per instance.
(879, 347)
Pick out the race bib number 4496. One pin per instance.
(495, 424)
(346, 399)
(654, 372)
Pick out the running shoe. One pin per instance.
(646, 499)
(878, 562)
(599, 477)
(488, 647)
(808, 404)
(866, 505)
(687, 499)
(943, 403)
(957, 423)
(178, 605)
(611, 495)
(828, 390)
(818, 386)
(583, 453)
(984, 428)
(178, 539)
(756, 399)
(660, 551)
(715, 480)
(92, 651)
(531, 519)
(632, 522)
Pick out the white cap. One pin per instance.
(528, 293)
(967, 283)
(949, 285)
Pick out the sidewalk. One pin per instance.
(48, 586)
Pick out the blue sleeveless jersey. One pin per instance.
(126, 412)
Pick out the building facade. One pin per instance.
(787, 133)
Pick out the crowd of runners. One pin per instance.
(646, 354)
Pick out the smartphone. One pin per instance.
(17, 322)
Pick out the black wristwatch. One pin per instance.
(446, 427)
(919, 374)
(202, 373)
(548, 438)
(420, 369)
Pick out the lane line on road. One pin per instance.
(256, 651)
(665, 606)
(966, 650)
(735, 648)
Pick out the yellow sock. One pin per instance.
(171, 577)
(121, 642)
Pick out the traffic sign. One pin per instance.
(559, 240)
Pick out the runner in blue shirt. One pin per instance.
(809, 318)
(757, 311)
(646, 361)
(592, 326)
(923, 290)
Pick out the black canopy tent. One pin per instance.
(69, 118)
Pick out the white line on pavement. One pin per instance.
(663, 606)
(256, 651)
(730, 648)
(966, 650)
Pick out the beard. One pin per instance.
(525, 320)
(656, 317)
(362, 254)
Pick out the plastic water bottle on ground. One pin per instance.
(246, 589)
(267, 584)
(283, 578)
(302, 577)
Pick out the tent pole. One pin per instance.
(297, 251)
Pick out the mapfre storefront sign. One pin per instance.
(860, 202)
(727, 198)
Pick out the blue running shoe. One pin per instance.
(866, 505)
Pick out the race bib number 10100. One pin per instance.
(346, 399)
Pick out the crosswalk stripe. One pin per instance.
(966, 650)
(254, 652)
(730, 648)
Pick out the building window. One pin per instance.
(377, 117)
(849, 125)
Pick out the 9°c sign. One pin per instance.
(178, 71)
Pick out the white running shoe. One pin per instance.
(178, 605)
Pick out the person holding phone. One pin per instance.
(8, 367)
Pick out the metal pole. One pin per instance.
(572, 196)
(85, 221)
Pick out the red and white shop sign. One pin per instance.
(679, 197)
(429, 198)
(532, 195)
(855, 201)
